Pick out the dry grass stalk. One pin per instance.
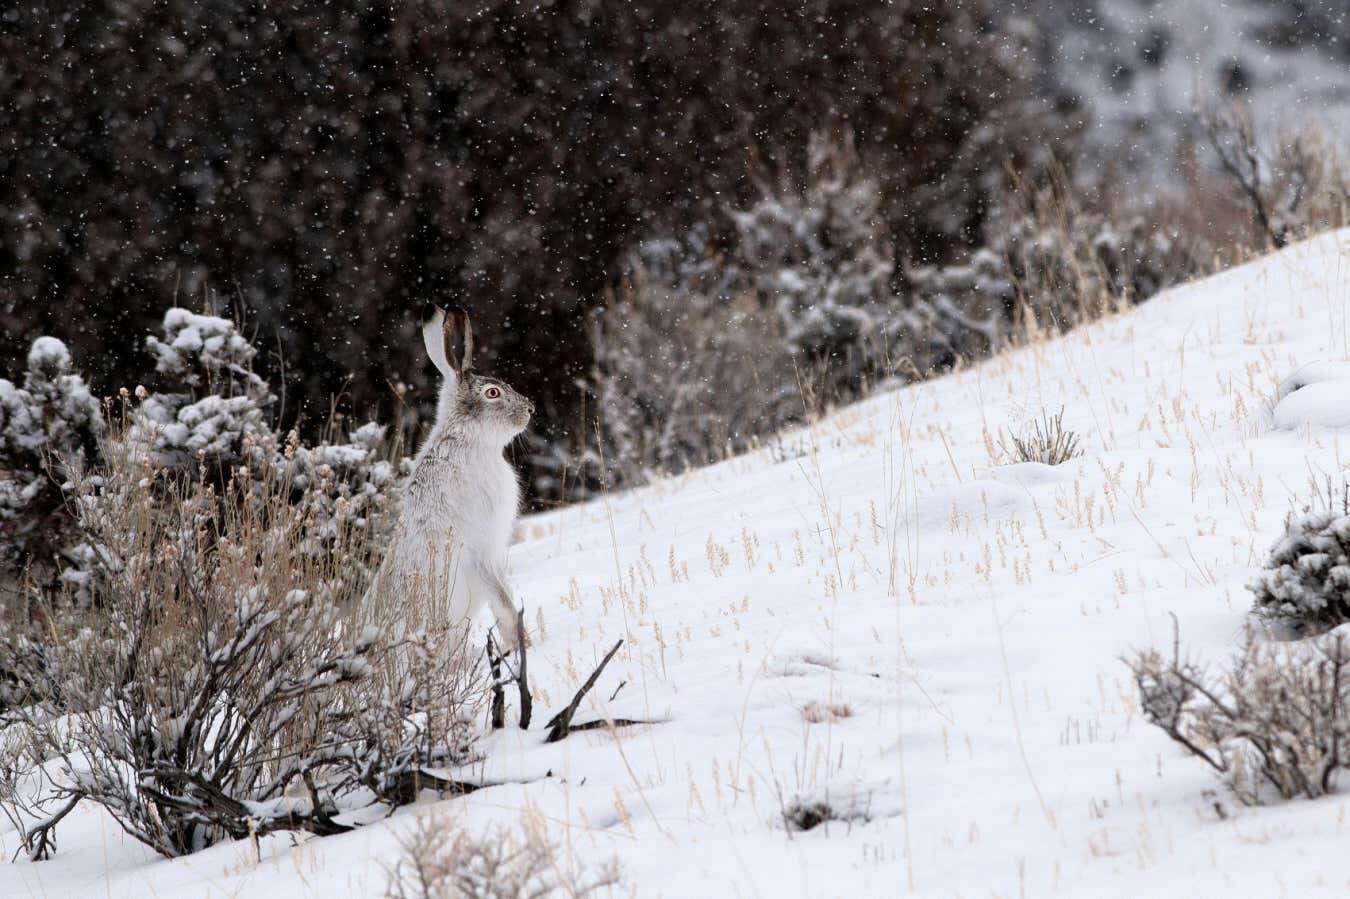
(440, 862)
(1046, 442)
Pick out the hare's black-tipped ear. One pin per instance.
(434, 336)
(459, 340)
(449, 339)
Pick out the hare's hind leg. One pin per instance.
(508, 617)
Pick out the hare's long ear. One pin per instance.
(434, 336)
(459, 340)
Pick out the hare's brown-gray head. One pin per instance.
(470, 400)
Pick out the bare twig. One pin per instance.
(40, 839)
(560, 725)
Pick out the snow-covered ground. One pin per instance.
(875, 613)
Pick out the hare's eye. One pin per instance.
(493, 393)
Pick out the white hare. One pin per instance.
(461, 502)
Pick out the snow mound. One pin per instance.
(1030, 475)
(963, 507)
(1316, 395)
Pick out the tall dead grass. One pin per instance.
(441, 861)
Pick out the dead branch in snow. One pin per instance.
(560, 725)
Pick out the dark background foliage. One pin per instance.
(325, 168)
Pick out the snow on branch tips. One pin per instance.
(1305, 585)
(205, 414)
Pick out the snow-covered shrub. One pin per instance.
(1273, 722)
(25, 677)
(210, 408)
(706, 349)
(964, 309)
(684, 375)
(1061, 264)
(346, 484)
(1136, 259)
(49, 427)
(220, 689)
(208, 400)
(819, 255)
(442, 862)
(206, 414)
(816, 255)
(1305, 584)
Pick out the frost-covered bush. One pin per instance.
(816, 255)
(1274, 722)
(221, 689)
(819, 256)
(49, 426)
(707, 348)
(350, 481)
(686, 369)
(209, 399)
(1057, 265)
(1305, 584)
(206, 414)
(964, 308)
(1069, 265)
(25, 676)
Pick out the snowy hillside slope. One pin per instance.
(876, 615)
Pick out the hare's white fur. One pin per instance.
(461, 501)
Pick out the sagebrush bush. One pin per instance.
(229, 682)
(205, 413)
(706, 348)
(1305, 584)
(815, 256)
(1293, 183)
(1277, 721)
(208, 399)
(49, 427)
(687, 368)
